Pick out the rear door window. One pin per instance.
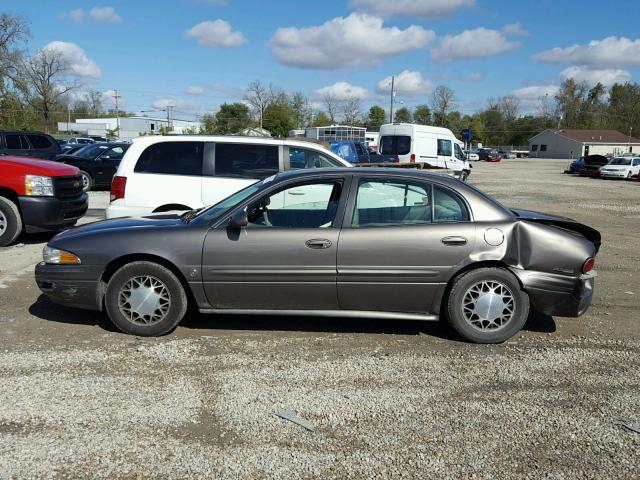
(39, 141)
(246, 160)
(395, 144)
(16, 142)
(448, 207)
(172, 158)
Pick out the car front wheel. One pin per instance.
(146, 299)
(10, 222)
(87, 181)
(487, 305)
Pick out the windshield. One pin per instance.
(90, 152)
(217, 210)
(620, 161)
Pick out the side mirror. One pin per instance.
(238, 220)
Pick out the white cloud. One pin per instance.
(478, 43)
(343, 91)
(104, 14)
(109, 100)
(216, 33)
(184, 105)
(79, 64)
(408, 84)
(614, 52)
(515, 30)
(531, 97)
(607, 77)
(76, 15)
(195, 90)
(359, 40)
(412, 8)
(473, 77)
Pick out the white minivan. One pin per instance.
(185, 172)
(426, 146)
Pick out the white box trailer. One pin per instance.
(424, 146)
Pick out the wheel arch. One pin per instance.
(441, 302)
(10, 195)
(171, 206)
(113, 266)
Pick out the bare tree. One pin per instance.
(510, 107)
(46, 80)
(259, 97)
(332, 105)
(351, 110)
(94, 101)
(442, 101)
(13, 31)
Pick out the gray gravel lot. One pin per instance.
(387, 399)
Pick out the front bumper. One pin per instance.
(51, 213)
(558, 295)
(613, 174)
(78, 286)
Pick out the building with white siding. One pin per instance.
(575, 143)
(130, 127)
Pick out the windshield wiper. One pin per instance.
(186, 217)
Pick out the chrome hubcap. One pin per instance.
(3, 223)
(85, 182)
(144, 300)
(488, 305)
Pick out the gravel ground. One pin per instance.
(387, 399)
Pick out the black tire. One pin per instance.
(469, 325)
(464, 175)
(10, 222)
(629, 176)
(87, 181)
(127, 319)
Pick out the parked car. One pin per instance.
(351, 151)
(471, 156)
(592, 165)
(621, 167)
(168, 173)
(424, 146)
(38, 195)
(575, 166)
(489, 155)
(508, 154)
(383, 243)
(97, 138)
(97, 163)
(70, 150)
(80, 141)
(28, 144)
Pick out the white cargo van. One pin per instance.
(426, 146)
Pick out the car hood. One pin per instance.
(617, 167)
(36, 166)
(121, 225)
(561, 222)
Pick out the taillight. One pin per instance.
(118, 186)
(588, 265)
(412, 158)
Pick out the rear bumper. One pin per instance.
(51, 213)
(117, 211)
(76, 286)
(558, 295)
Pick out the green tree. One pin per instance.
(375, 118)
(279, 118)
(422, 115)
(208, 121)
(232, 118)
(402, 115)
(301, 110)
(321, 119)
(570, 100)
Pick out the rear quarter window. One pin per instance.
(172, 158)
(39, 141)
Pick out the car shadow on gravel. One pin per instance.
(35, 238)
(45, 309)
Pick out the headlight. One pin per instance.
(35, 185)
(58, 257)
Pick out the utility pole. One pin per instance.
(68, 117)
(393, 94)
(630, 129)
(170, 117)
(117, 98)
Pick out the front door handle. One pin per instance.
(318, 243)
(454, 241)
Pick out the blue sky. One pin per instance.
(155, 52)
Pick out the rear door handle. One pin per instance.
(318, 243)
(454, 241)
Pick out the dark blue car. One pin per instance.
(355, 152)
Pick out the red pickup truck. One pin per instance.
(38, 195)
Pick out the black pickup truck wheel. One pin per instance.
(10, 222)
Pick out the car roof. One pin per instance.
(365, 172)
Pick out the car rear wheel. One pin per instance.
(487, 305)
(10, 222)
(146, 299)
(87, 181)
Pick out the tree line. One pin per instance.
(38, 90)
